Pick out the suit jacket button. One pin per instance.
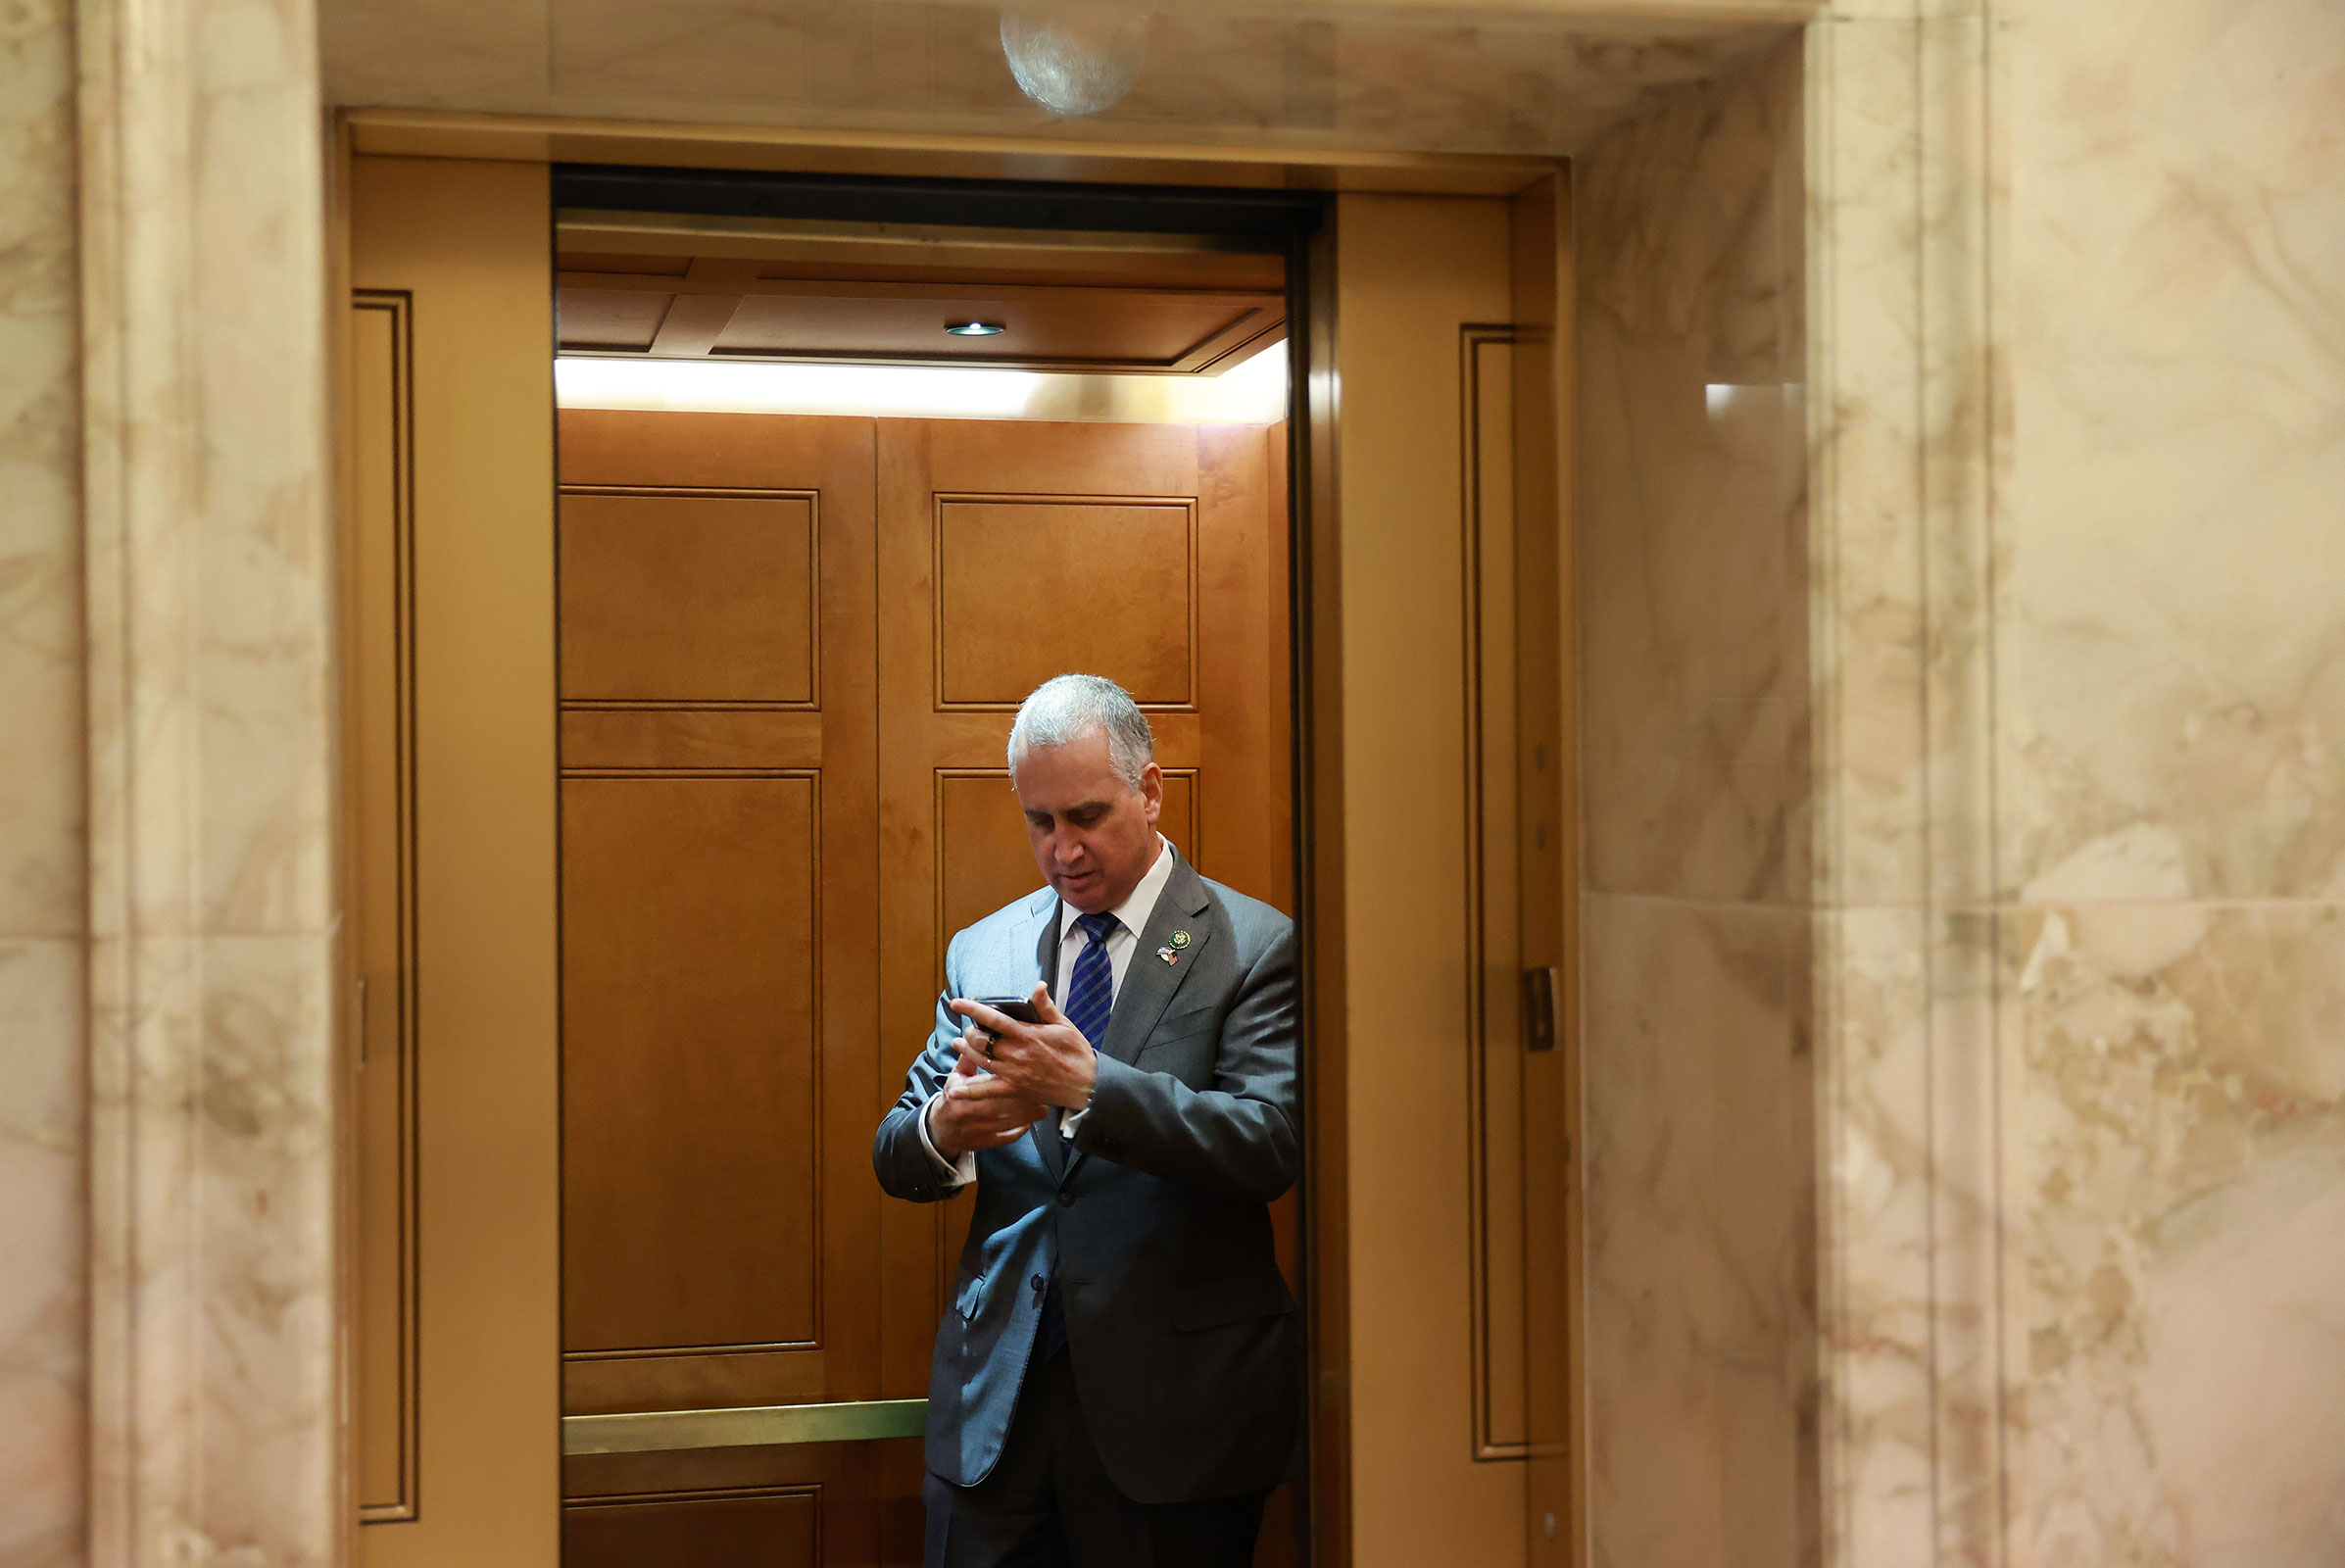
(1067, 1200)
(1038, 1282)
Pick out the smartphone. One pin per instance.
(1018, 1007)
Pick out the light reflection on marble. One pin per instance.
(1340, 77)
(1690, 566)
(1692, 552)
(43, 1212)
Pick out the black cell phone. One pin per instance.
(1018, 1007)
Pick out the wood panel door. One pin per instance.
(790, 648)
(718, 800)
(1010, 552)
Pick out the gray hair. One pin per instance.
(1066, 708)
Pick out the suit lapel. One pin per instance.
(1044, 912)
(1149, 983)
(1049, 1146)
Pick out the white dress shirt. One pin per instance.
(1131, 919)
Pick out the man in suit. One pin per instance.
(1118, 1376)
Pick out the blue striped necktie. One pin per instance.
(1090, 1003)
(1090, 989)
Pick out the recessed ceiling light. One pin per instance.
(976, 328)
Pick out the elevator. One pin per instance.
(675, 720)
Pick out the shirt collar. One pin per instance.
(1133, 914)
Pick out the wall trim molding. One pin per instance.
(216, 1425)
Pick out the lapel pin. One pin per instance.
(1168, 955)
(1180, 939)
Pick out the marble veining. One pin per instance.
(1698, 1069)
(2181, 1161)
(1700, 1234)
(2170, 834)
(1340, 77)
(42, 1232)
(1692, 496)
(1914, 1427)
(2177, 459)
(215, 1422)
(1966, 813)
(44, 1216)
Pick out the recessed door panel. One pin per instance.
(718, 832)
(688, 597)
(1030, 587)
(692, 1200)
(771, 1529)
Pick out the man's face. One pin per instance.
(1093, 836)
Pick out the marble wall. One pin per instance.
(2010, 779)
(1419, 78)
(43, 1213)
(1693, 647)
(216, 1427)
(2170, 771)
(2077, 555)
(1964, 706)
(1910, 1429)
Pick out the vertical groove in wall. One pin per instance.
(382, 899)
(1493, 912)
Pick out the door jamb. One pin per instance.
(1314, 540)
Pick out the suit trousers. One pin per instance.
(1049, 1503)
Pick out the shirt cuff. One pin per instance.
(1069, 1121)
(954, 1172)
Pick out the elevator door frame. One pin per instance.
(1537, 187)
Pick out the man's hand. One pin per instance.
(1048, 1062)
(976, 1110)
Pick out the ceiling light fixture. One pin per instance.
(1075, 59)
(976, 328)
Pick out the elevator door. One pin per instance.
(789, 652)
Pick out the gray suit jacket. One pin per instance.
(1187, 1346)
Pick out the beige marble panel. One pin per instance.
(1911, 1431)
(1700, 1234)
(1877, 1304)
(1358, 77)
(42, 1341)
(214, 1427)
(1692, 513)
(2171, 305)
(1913, 1434)
(43, 1214)
(1901, 561)
(2178, 1208)
(40, 580)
